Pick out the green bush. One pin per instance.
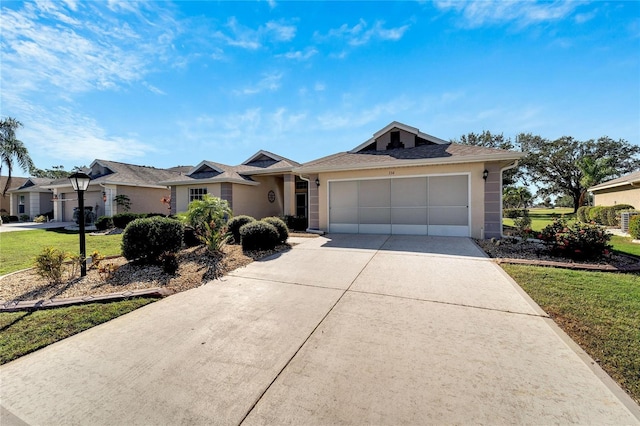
(5, 218)
(40, 219)
(235, 223)
(281, 227)
(609, 216)
(169, 262)
(214, 238)
(103, 223)
(619, 207)
(24, 218)
(121, 220)
(523, 226)
(258, 235)
(296, 223)
(598, 215)
(208, 209)
(634, 227)
(576, 241)
(146, 240)
(49, 263)
(583, 214)
(514, 213)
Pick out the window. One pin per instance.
(197, 193)
(21, 205)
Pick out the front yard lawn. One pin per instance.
(599, 310)
(624, 245)
(25, 332)
(20, 248)
(543, 217)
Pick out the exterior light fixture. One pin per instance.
(104, 196)
(485, 174)
(80, 183)
(317, 182)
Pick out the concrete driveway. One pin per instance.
(340, 329)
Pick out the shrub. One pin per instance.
(190, 237)
(281, 227)
(609, 216)
(258, 235)
(40, 219)
(49, 264)
(169, 263)
(523, 226)
(296, 223)
(96, 259)
(583, 214)
(576, 241)
(514, 213)
(24, 218)
(214, 238)
(619, 207)
(14, 219)
(597, 215)
(235, 223)
(104, 222)
(208, 209)
(634, 227)
(121, 220)
(5, 218)
(145, 240)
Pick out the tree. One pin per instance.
(12, 150)
(486, 139)
(516, 197)
(554, 166)
(55, 172)
(594, 171)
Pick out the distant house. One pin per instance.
(263, 185)
(5, 207)
(403, 181)
(30, 198)
(110, 179)
(623, 190)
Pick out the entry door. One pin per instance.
(301, 205)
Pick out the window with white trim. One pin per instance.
(197, 193)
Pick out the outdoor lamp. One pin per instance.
(80, 183)
(485, 174)
(317, 182)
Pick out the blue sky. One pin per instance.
(174, 83)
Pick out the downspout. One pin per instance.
(502, 170)
(309, 230)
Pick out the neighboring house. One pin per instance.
(623, 190)
(5, 203)
(109, 179)
(263, 185)
(403, 181)
(30, 198)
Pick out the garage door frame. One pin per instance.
(393, 228)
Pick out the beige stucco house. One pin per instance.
(30, 197)
(263, 185)
(623, 190)
(141, 184)
(403, 181)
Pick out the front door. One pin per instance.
(301, 205)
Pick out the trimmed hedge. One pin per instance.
(281, 227)
(258, 235)
(121, 220)
(235, 223)
(634, 227)
(583, 213)
(103, 223)
(146, 240)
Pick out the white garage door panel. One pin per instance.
(429, 205)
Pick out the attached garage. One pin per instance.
(417, 205)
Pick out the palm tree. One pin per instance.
(594, 171)
(11, 149)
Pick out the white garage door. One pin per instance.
(428, 205)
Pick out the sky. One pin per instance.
(175, 83)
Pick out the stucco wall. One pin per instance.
(476, 188)
(254, 201)
(144, 200)
(620, 195)
(182, 194)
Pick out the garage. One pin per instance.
(420, 205)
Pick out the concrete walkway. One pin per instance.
(340, 329)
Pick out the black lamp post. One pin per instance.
(80, 183)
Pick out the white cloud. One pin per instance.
(522, 13)
(253, 39)
(269, 83)
(280, 32)
(361, 33)
(319, 87)
(301, 55)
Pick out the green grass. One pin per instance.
(624, 245)
(25, 332)
(599, 310)
(543, 217)
(18, 249)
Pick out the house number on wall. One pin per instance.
(271, 196)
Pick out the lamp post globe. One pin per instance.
(80, 183)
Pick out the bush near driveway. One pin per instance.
(281, 227)
(237, 222)
(576, 241)
(258, 235)
(146, 240)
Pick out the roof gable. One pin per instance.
(632, 179)
(397, 135)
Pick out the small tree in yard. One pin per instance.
(209, 217)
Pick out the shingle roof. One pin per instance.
(131, 174)
(443, 153)
(633, 177)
